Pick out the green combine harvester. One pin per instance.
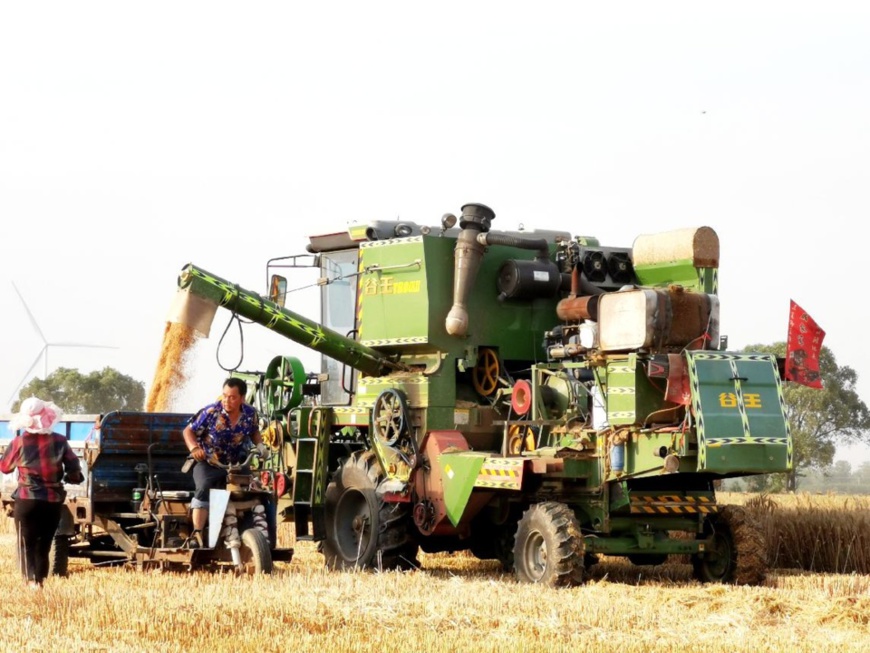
(531, 396)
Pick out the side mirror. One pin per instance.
(278, 289)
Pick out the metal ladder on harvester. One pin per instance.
(303, 485)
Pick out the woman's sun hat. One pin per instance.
(36, 416)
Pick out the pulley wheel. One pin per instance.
(389, 416)
(283, 384)
(485, 374)
(521, 397)
(272, 435)
(520, 439)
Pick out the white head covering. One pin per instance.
(36, 416)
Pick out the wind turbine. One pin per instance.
(43, 353)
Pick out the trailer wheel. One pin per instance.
(58, 556)
(549, 546)
(362, 531)
(738, 554)
(256, 555)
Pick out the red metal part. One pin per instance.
(281, 485)
(521, 397)
(428, 487)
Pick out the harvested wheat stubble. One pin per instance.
(170, 375)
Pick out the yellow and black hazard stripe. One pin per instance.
(359, 291)
(497, 485)
(672, 504)
(396, 341)
(350, 415)
(394, 382)
(505, 474)
(387, 243)
(489, 471)
(721, 442)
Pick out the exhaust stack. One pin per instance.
(476, 219)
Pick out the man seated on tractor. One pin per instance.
(222, 432)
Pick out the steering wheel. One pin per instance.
(253, 454)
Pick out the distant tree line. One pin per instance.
(93, 393)
(820, 419)
(839, 478)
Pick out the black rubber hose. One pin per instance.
(538, 244)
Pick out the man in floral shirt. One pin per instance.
(221, 432)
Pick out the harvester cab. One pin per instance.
(532, 396)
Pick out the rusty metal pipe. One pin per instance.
(468, 253)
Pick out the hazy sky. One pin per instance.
(138, 137)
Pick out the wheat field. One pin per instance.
(452, 603)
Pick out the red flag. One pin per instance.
(803, 348)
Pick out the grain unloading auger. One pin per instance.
(532, 396)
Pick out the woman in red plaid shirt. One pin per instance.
(44, 461)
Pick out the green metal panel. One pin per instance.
(394, 302)
(740, 413)
(683, 273)
(414, 386)
(405, 294)
(709, 280)
(630, 394)
(406, 291)
(460, 470)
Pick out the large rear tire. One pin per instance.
(256, 554)
(363, 531)
(549, 546)
(738, 554)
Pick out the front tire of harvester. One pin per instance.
(739, 552)
(256, 554)
(549, 546)
(363, 531)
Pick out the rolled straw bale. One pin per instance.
(697, 244)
